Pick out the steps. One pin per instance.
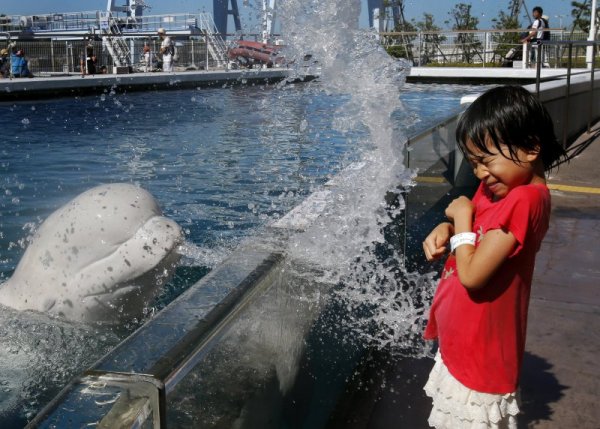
(112, 37)
(215, 43)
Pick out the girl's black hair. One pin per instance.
(510, 116)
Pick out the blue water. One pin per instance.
(221, 162)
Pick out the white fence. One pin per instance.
(482, 47)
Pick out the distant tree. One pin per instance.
(506, 41)
(430, 40)
(581, 14)
(402, 25)
(463, 20)
(398, 51)
(399, 46)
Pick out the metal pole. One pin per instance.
(568, 95)
(420, 48)
(52, 54)
(487, 47)
(589, 128)
(193, 63)
(538, 68)
(589, 56)
(206, 42)
(131, 51)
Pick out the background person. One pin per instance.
(4, 63)
(19, 65)
(147, 58)
(90, 59)
(166, 50)
(536, 34)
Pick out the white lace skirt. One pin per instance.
(458, 407)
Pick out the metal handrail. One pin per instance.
(483, 45)
(567, 75)
(89, 20)
(214, 42)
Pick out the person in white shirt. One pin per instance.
(166, 50)
(536, 32)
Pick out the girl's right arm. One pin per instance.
(476, 265)
(434, 245)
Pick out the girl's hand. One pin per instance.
(434, 245)
(461, 208)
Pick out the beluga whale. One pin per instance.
(101, 257)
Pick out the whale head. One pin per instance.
(99, 258)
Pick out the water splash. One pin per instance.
(346, 244)
(210, 257)
(31, 372)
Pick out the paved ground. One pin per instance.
(561, 376)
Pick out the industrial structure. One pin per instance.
(388, 15)
(117, 25)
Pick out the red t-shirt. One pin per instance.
(481, 333)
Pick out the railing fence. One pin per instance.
(479, 47)
(64, 56)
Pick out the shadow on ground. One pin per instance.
(539, 390)
(389, 393)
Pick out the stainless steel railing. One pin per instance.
(591, 66)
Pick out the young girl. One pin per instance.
(479, 312)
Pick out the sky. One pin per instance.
(557, 10)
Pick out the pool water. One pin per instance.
(221, 162)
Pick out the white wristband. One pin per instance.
(462, 238)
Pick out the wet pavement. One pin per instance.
(560, 382)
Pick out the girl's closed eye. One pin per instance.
(480, 160)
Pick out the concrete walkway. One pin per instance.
(484, 74)
(561, 377)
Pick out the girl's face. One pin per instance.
(498, 171)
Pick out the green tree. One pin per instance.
(505, 41)
(398, 51)
(581, 14)
(430, 38)
(462, 19)
(404, 43)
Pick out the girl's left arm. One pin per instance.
(476, 265)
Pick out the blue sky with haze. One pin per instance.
(485, 10)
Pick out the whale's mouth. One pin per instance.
(157, 238)
(128, 299)
(128, 278)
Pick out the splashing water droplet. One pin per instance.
(387, 305)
